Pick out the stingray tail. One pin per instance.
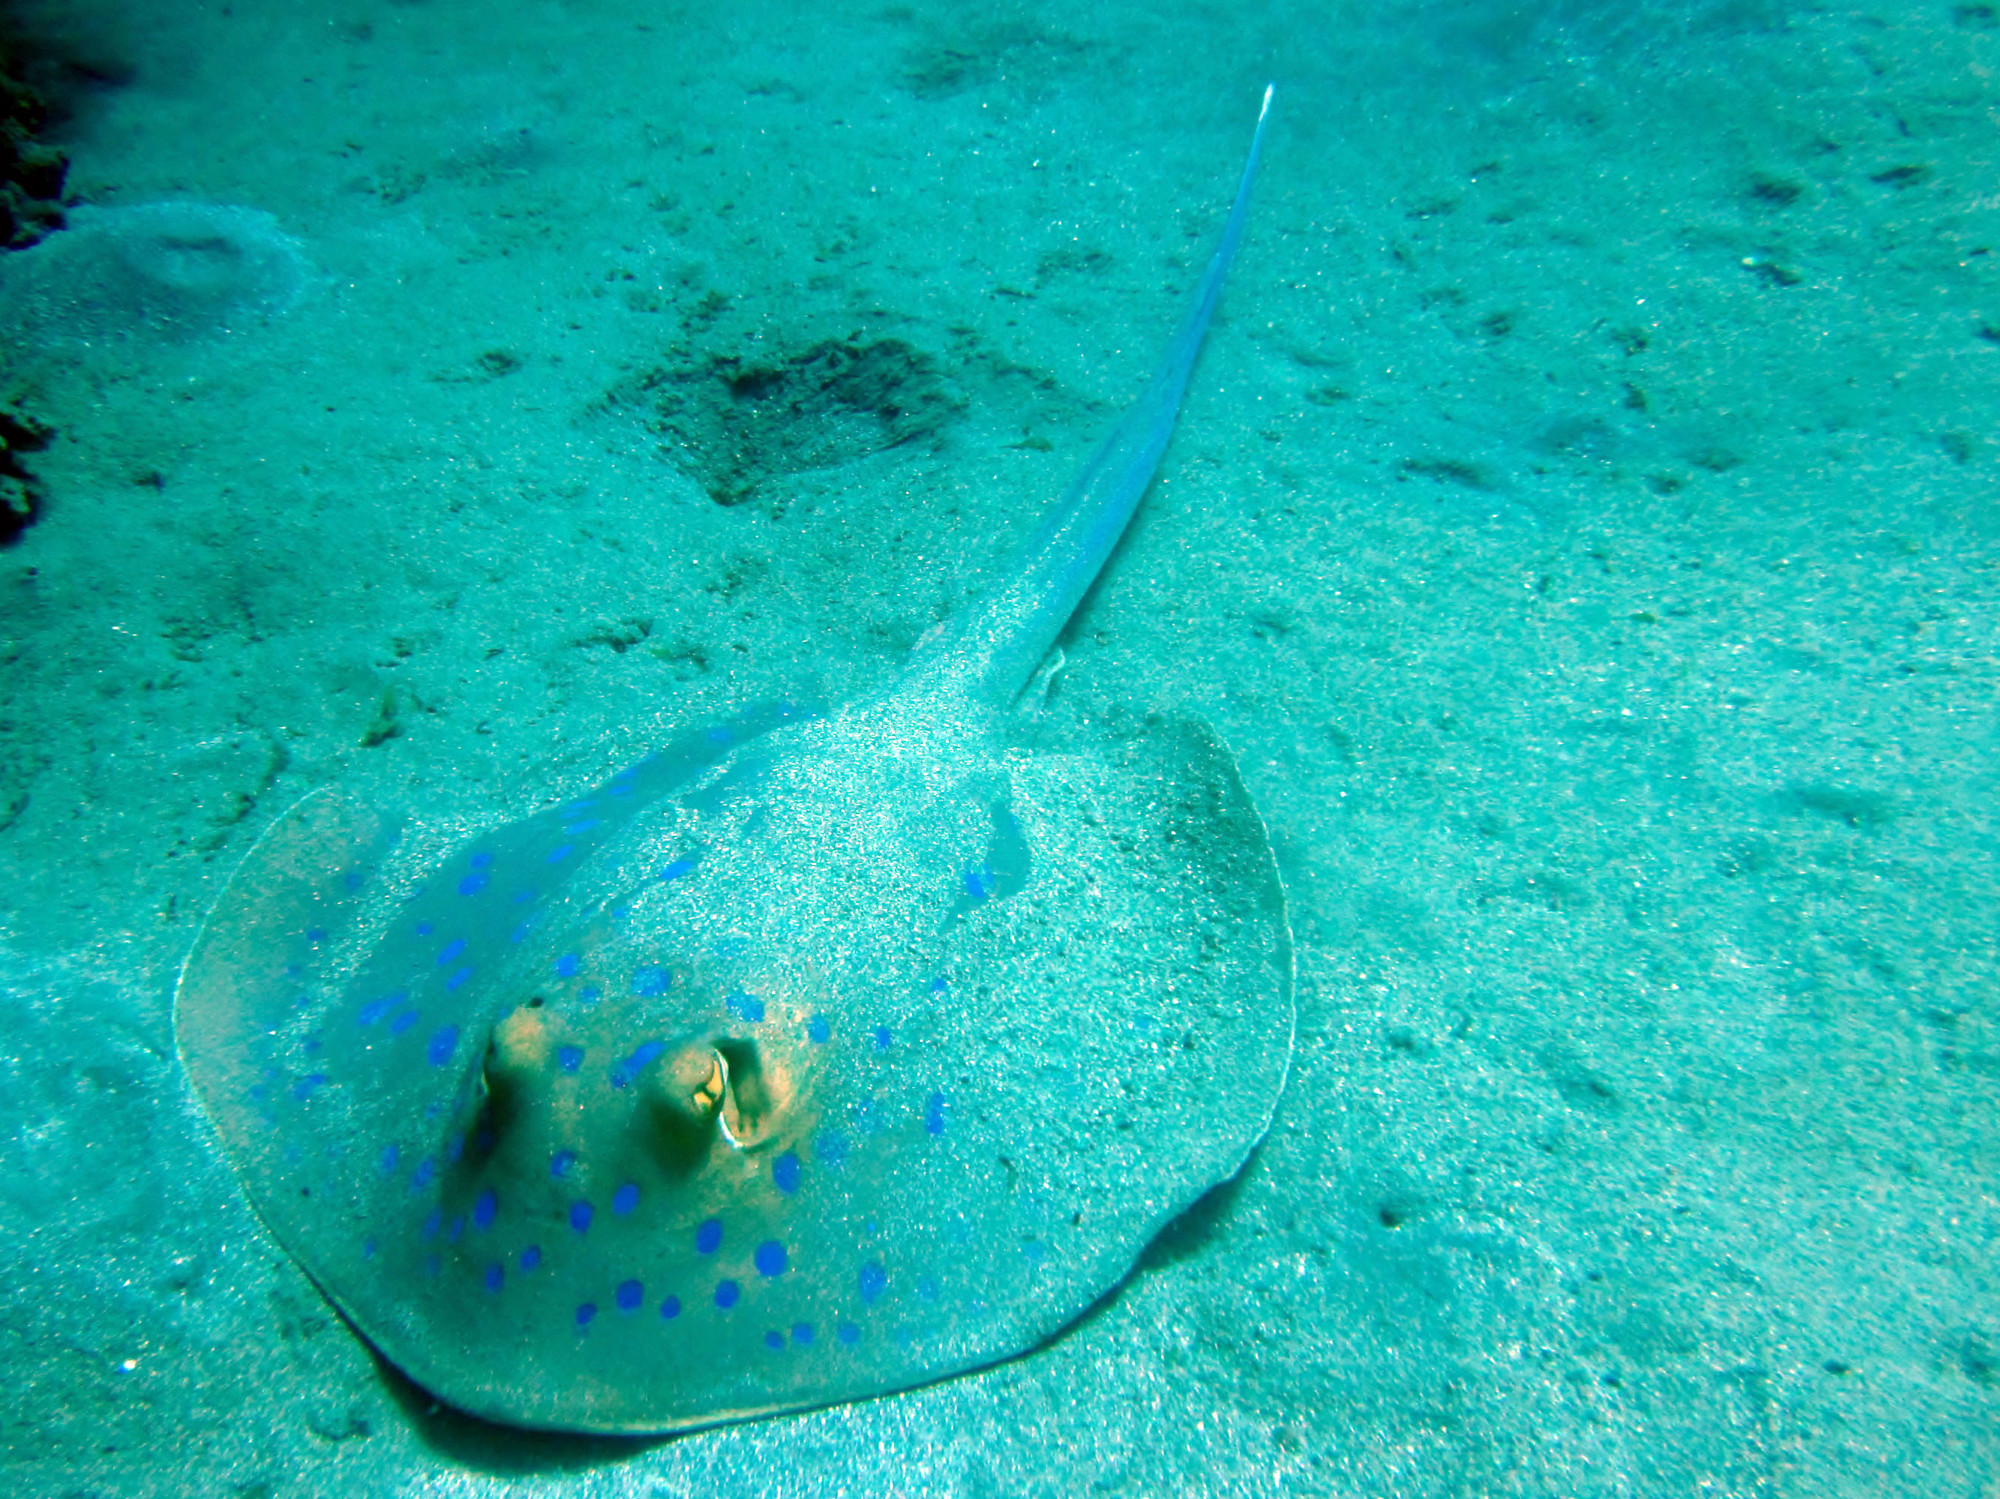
(990, 649)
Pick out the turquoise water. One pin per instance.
(1580, 525)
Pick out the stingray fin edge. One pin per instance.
(295, 891)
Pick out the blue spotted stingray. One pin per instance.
(817, 1055)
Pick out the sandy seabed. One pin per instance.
(1581, 524)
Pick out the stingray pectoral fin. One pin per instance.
(1221, 815)
(1205, 812)
(292, 902)
(1113, 1041)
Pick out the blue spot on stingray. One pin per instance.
(881, 1038)
(354, 879)
(316, 935)
(521, 933)
(424, 1175)
(484, 1208)
(585, 1312)
(523, 895)
(561, 1161)
(531, 1256)
(938, 984)
(727, 1293)
(580, 1214)
(679, 867)
(495, 1277)
(979, 884)
(785, 1173)
(670, 1308)
(450, 952)
(472, 884)
(480, 861)
(874, 1281)
(771, 1259)
(569, 1058)
(934, 1114)
(403, 1020)
(368, 1247)
(651, 983)
(802, 1334)
(457, 1229)
(635, 1064)
(375, 1009)
(423, 927)
(819, 1030)
(569, 965)
(444, 1041)
(708, 1237)
(630, 1294)
(556, 856)
(585, 826)
(458, 978)
(848, 1333)
(746, 1007)
(302, 1089)
(625, 1199)
(433, 1221)
(774, 1340)
(832, 1150)
(454, 1148)
(386, 1162)
(589, 994)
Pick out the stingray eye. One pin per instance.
(680, 1097)
(520, 1047)
(517, 1054)
(756, 1097)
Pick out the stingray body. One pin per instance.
(815, 1056)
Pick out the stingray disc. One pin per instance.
(799, 1063)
